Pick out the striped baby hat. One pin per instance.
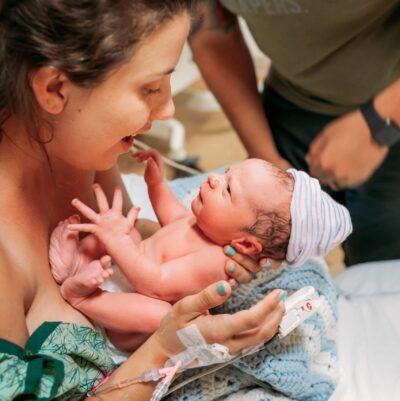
(318, 222)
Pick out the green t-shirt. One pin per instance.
(328, 56)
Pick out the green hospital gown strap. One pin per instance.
(60, 361)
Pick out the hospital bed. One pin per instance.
(369, 333)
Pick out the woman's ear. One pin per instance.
(50, 89)
(247, 245)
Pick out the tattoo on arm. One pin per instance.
(218, 16)
(197, 25)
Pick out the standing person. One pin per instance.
(331, 103)
(78, 80)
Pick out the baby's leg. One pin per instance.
(64, 255)
(127, 342)
(124, 312)
(85, 282)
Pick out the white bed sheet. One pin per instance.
(369, 333)
(369, 322)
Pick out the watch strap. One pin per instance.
(384, 131)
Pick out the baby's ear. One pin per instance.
(247, 245)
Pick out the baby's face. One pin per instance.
(227, 203)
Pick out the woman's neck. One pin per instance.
(29, 176)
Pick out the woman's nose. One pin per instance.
(165, 107)
(166, 110)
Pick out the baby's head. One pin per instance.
(264, 211)
(248, 206)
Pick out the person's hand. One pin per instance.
(344, 155)
(237, 331)
(242, 268)
(154, 173)
(109, 223)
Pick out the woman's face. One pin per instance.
(98, 125)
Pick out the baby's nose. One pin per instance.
(213, 180)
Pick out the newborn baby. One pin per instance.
(254, 206)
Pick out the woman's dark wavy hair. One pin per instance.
(86, 39)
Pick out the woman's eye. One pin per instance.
(152, 91)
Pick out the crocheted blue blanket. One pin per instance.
(301, 366)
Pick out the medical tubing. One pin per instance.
(151, 376)
(160, 390)
(139, 145)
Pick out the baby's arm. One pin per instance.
(169, 281)
(184, 276)
(164, 202)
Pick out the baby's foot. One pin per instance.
(76, 288)
(64, 253)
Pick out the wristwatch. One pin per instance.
(383, 130)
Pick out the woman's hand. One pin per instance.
(237, 331)
(242, 268)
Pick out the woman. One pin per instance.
(78, 80)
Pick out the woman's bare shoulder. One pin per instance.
(12, 306)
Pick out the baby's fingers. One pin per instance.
(118, 200)
(132, 215)
(100, 198)
(140, 156)
(85, 210)
(86, 228)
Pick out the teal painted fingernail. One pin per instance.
(266, 264)
(221, 289)
(232, 268)
(229, 251)
(282, 295)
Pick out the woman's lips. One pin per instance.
(127, 142)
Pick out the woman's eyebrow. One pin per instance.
(166, 72)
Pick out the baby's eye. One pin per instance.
(228, 188)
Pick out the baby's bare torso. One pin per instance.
(180, 238)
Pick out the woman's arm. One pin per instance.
(238, 331)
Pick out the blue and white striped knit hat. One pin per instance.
(318, 222)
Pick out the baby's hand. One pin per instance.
(109, 223)
(154, 173)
